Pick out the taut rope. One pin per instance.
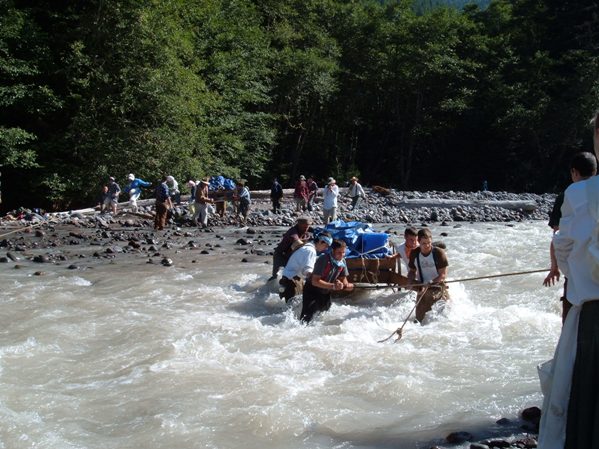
(490, 276)
(399, 330)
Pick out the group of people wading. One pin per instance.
(315, 266)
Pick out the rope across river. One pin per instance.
(421, 293)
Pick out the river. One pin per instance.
(143, 356)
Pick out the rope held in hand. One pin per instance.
(477, 278)
(399, 330)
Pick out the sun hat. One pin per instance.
(205, 181)
(331, 181)
(302, 177)
(353, 178)
(130, 176)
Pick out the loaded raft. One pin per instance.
(366, 253)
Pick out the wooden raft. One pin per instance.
(375, 271)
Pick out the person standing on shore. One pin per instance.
(300, 194)
(173, 189)
(276, 194)
(112, 196)
(428, 265)
(134, 190)
(301, 263)
(329, 202)
(312, 191)
(330, 274)
(163, 204)
(300, 231)
(355, 192)
(582, 167)
(192, 195)
(201, 204)
(571, 403)
(242, 194)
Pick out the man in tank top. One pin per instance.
(428, 265)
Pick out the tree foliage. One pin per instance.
(418, 95)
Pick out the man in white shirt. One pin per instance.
(355, 192)
(301, 263)
(571, 404)
(402, 252)
(329, 202)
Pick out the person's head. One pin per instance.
(595, 123)
(191, 183)
(323, 241)
(411, 237)
(353, 179)
(303, 223)
(104, 189)
(204, 182)
(331, 181)
(131, 177)
(302, 178)
(111, 180)
(240, 182)
(425, 240)
(164, 178)
(338, 249)
(583, 166)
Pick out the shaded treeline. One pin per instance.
(440, 99)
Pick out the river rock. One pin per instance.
(41, 258)
(498, 443)
(3, 259)
(531, 414)
(167, 262)
(458, 437)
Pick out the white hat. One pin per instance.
(130, 176)
(331, 181)
(302, 177)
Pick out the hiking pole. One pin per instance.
(399, 330)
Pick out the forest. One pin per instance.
(410, 95)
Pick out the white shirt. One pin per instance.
(301, 262)
(403, 256)
(330, 196)
(356, 190)
(573, 238)
(429, 269)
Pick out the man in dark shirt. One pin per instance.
(163, 204)
(283, 250)
(330, 274)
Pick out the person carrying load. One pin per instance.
(330, 274)
(301, 264)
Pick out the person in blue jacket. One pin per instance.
(134, 189)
